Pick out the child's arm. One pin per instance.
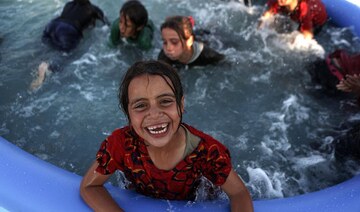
(94, 193)
(267, 14)
(264, 17)
(114, 38)
(100, 15)
(146, 36)
(308, 34)
(240, 199)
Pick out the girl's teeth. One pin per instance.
(158, 129)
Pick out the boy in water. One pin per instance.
(133, 25)
(65, 32)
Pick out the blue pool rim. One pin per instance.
(30, 184)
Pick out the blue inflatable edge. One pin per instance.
(344, 13)
(30, 184)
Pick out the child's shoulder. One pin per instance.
(150, 24)
(206, 139)
(121, 133)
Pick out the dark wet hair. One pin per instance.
(152, 68)
(321, 74)
(182, 25)
(82, 1)
(136, 12)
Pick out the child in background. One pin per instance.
(310, 14)
(340, 70)
(65, 32)
(161, 156)
(133, 25)
(180, 47)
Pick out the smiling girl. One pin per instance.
(161, 156)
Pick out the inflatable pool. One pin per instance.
(31, 184)
(344, 13)
(28, 183)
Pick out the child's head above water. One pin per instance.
(133, 18)
(182, 25)
(82, 1)
(178, 37)
(151, 69)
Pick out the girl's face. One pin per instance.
(172, 45)
(285, 2)
(153, 111)
(126, 26)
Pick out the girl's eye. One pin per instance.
(166, 102)
(139, 106)
(174, 42)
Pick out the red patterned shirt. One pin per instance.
(124, 150)
(309, 13)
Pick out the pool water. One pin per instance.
(260, 102)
